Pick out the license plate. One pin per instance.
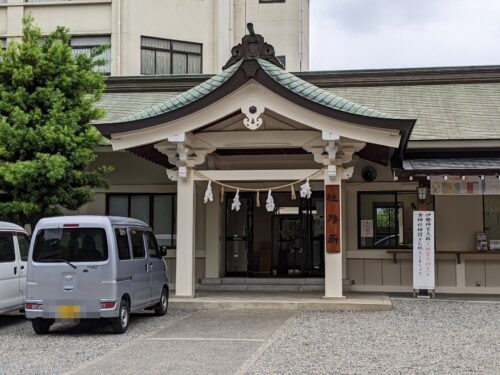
(68, 312)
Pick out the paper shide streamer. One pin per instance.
(236, 205)
(305, 190)
(209, 195)
(270, 202)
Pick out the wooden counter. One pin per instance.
(456, 253)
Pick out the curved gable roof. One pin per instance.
(271, 76)
(254, 60)
(282, 77)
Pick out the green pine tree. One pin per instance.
(47, 103)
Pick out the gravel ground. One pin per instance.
(417, 337)
(68, 346)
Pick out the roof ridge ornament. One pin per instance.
(252, 47)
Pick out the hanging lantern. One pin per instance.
(305, 190)
(270, 202)
(209, 195)
(235, 206)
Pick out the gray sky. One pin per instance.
(365, 34)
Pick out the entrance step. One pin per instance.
(263, 284)
(302, 301)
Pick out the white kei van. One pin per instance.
(82, 267)
(14, 245)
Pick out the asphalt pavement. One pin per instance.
(206, 342)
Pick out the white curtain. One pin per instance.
(85, 45)
(186, 47)
(179, 62)
(162, 62)
(155, 43)
(194, 64)
(147, 62)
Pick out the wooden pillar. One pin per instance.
(185, 259)
(212, 235)
(333, 240)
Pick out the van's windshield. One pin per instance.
(71, 245)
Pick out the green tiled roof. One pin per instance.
(443, 111)
(121, 105)
(316, 94)
(176, 101)
(284, 78)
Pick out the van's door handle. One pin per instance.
(146, 267)
(15, 270)
(22, 268)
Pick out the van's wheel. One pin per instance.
(41, 326)
(162, 306)
(120, 324)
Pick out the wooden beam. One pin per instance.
(258, 175)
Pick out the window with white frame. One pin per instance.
(165, 56)
(157, 210)
(86, 44)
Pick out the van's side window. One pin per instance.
(24, 246)
(7, 253)
(137, 244)
(152, 245)
(122, 243)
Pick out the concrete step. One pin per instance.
(224, 300)
(262, 281)
(277, 284)
(261, 287)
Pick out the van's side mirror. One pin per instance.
(163, 251)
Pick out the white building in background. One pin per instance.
(168, 36)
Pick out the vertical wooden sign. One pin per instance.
(332, 218)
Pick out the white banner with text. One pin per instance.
(423, 250)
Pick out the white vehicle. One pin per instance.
(87, 267)
(14, 246)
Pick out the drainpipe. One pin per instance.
(231, 24)
(119, 38)
(301, 33)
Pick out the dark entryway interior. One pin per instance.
(288, 242)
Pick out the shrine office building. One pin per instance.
(256, 177)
